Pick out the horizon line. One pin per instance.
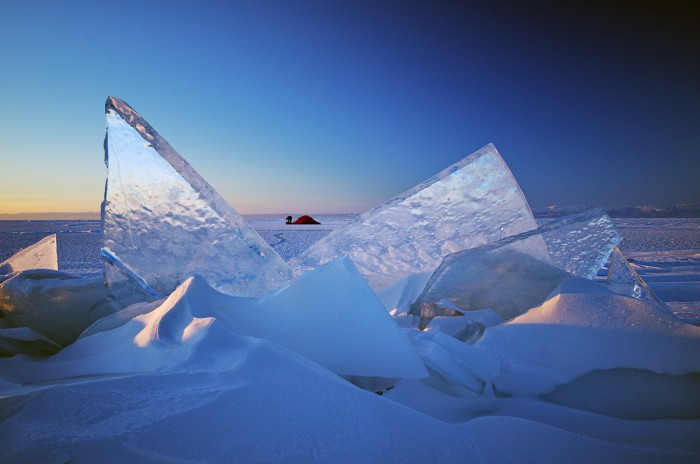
(95, 215)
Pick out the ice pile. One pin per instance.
(203, 349)
(471, 203)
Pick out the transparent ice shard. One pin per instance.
(41, 255)
(511, 275)
(623, 279)
(164, 222)
(473, 202)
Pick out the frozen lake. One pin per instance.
(665, 252)
(79, 241)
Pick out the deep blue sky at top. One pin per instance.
(329, 106)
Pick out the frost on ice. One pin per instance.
(473, 202)
(41, 255)
(511, 275)
(165, 222)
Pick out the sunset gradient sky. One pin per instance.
(329, 106)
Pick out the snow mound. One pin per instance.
(583, 327)
(329, 315)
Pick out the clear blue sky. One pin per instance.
(332, 106)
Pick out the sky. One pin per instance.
(332, 106)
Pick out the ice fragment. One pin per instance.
(41, 255)
(164, 222)
(623, 279)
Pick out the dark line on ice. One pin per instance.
(279, 236)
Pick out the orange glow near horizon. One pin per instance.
(29, 205)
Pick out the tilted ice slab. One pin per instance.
(41, 255)
(625, 280)
(513, 274)
(473, 202)
(164, 222)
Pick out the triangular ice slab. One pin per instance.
(473, 202)
(623, 279)
(165, 222)
(41, 255)
(512, 275)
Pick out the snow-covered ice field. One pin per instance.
(664, 252)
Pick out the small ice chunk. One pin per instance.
(456, 367)
(164, 222)
(57, 305)
(473, 202)
(23, 340)
(41, 255)
(467, 328)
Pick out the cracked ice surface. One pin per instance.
(473, 202)
(164, 221)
